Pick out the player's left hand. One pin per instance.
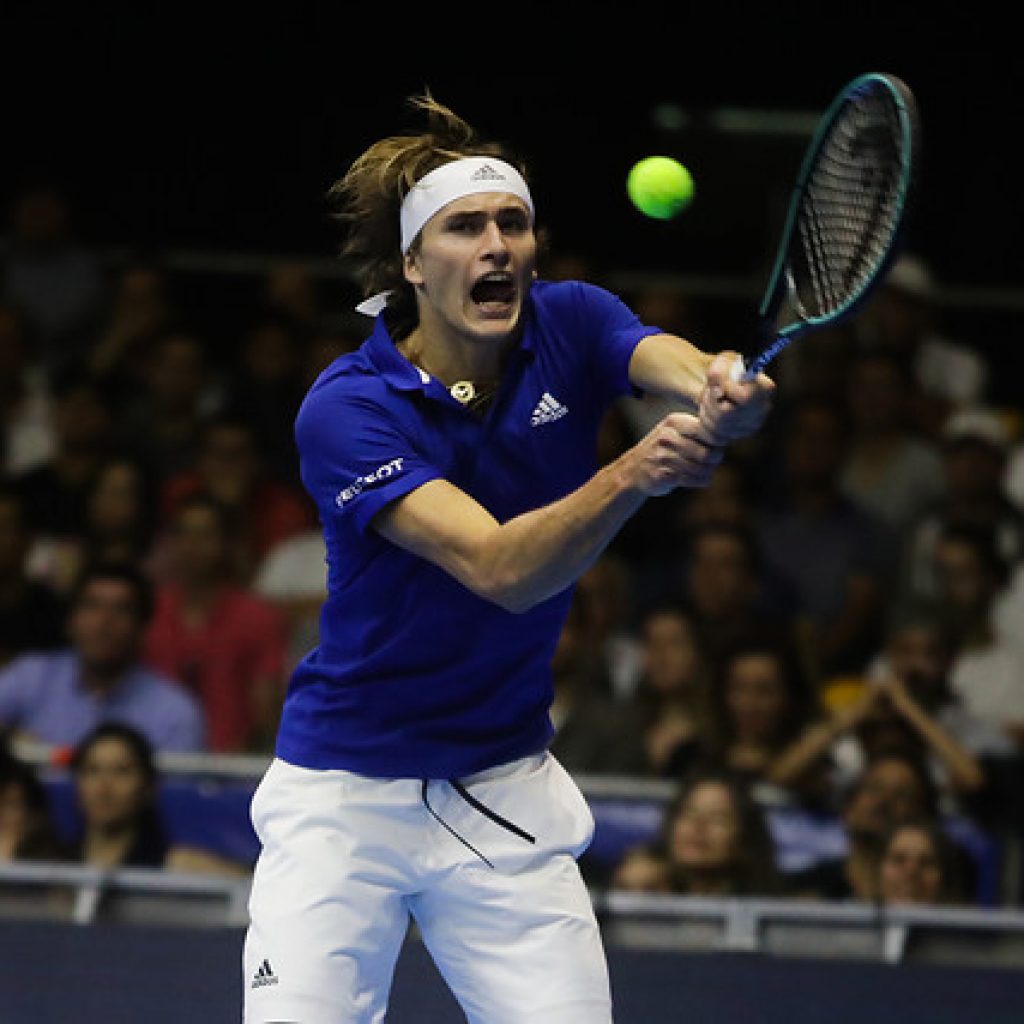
(730, 409)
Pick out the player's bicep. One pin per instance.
(442, 524)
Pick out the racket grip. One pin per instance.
(740, 371)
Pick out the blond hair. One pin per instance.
(368, 199)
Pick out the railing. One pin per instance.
(992, 938)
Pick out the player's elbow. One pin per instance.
(506, 590)
(499, 582)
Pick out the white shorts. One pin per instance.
(486, 867)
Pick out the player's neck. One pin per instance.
(452, 357)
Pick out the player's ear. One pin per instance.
(410, 267)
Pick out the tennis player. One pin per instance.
(452, 459)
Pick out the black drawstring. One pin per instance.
(437, 817)
(483, 809)
(487, 812)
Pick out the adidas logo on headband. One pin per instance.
(487, 173)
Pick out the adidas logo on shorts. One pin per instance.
(264, 976)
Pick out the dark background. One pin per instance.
(185, 127)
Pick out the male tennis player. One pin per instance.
(452, 460)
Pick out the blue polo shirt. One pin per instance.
(415, 676)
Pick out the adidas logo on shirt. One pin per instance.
(548, 410)
(486, 173)
(264, 976)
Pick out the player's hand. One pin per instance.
(731, 409)
(677, 452)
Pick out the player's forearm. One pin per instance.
(672, 367)
(538, 554)
(728, 408)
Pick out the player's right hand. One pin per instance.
(677, 452)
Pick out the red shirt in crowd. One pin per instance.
(239, 647)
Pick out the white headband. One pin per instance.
(443, 185)
(451, 181)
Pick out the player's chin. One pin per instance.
(494, 318)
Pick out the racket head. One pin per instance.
(846, 215)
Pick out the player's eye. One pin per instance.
(464, 224)
(513, 222)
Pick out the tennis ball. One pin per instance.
(660, 187)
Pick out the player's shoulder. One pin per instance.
(568, 297)
(349, 383)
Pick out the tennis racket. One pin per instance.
(842, 229)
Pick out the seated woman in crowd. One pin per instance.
(26, 831)
(761, 704)
(920, 865)
(116, 789)
(670, 699)
(714, 841)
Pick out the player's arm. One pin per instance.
(672, 367)
(536, 555)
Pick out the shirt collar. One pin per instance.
(402, 375)
(396, 370)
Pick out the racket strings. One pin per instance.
(851, 206)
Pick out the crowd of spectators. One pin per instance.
(835, 625)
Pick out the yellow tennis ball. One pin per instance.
(660, 187)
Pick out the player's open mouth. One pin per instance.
(494, 292)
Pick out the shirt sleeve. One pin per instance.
(356, 457)
(616, 331)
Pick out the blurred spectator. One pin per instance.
(920, 652)
(890, 470)
(594, 734)
(716, 840)
(919, 865)
(670, 699)
(728, 589)
(293, 578)
(220, 640)
(261, 510)
(974, 449)
(831, 552)
(608, 585)
(57, 698)
(724, 501)
(642, 869)
(179, 391)
(819, 370)
(26, 405)
(906, 705)
(322, 349)
(291, 293)
(46, 271)
(115, 781)
(26, 826)
(120, 524)
(893, 788)
(56, 491)
(117, 788)
(988, 672)
(140, 311)
(265, 389)
(903, 316)
(31, 613)
(762, 703)
(121, 512)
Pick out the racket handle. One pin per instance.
(739, 371)
(748, 371)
